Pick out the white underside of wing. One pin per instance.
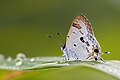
(78, 51)
(74, 55)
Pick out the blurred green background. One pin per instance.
(24, 25)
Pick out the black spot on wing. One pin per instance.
(74, 32)
(87, 50)
(75, 45)
(76, 25)
(87, 43)
(82, 39)
(96, 50)
(81, 32)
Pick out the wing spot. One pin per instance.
(76, 25)
(87, 50)
(81, 38)
(87, 43)
(81, 32)
(86, 22)
(75, 45)
(96, 50)
(91, 37)
(74, 32)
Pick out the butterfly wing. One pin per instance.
(80, 40)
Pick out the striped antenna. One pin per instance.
(56, 39)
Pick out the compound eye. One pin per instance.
(96, 50)
(63, 47)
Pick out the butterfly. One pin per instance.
(81, 43)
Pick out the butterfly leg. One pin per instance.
(64, 57)
(102, 59)
(76, 56)
(90, 56)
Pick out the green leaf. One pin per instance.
(54, 65)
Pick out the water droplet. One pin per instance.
(21, 55)
(9, 59)
(18, 61)
(32, 59)
(2, 56)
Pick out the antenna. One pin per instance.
(59, 37)
(105, 52)
(57, 40)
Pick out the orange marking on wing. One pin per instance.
(81, 17)
(76, 25)
(86, 22)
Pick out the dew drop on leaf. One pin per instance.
(32, 59)
(18, 61)
(21, 55)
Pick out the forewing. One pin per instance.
(80, 38)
